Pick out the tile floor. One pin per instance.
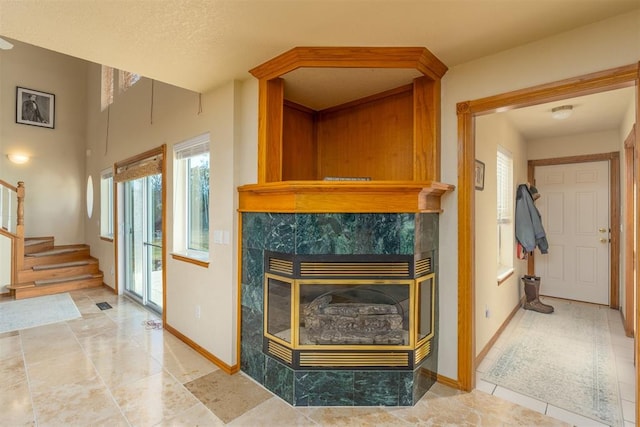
(108, 368)
(623, 350)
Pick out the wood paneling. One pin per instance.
(342, 196)
(352, 57)
(371, 139)
(426, 125)
(270, 100)
(299, 147)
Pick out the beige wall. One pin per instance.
(55, 177)
(572, 145)
(175, 119)
(607, 44)
(499, 300)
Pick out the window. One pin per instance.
(191, 197)
(106, 204)
(127, 79)
(504, 180)
(106, 97)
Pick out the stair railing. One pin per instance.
(12, 226)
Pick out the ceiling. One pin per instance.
(201, 44)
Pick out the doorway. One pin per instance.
(467, 112)
(140, 241)
(143, 241)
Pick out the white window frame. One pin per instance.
(182, 152)
(106, 204)
(505, 213)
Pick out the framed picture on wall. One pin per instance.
(35, 108)
(479, 175)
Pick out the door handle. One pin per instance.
(603, 240)
(603, 230)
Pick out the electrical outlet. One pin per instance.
(197, 311)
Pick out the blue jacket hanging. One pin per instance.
(529, 230)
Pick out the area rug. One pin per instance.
(565, 359)
(38, 311)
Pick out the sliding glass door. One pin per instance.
(143, 240)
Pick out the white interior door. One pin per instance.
(574, 205)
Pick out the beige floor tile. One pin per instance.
(228, 396)
(10, 345)
(108, 341)
(198, 415)
(91, 324)
(16, 408)
(12, 371)
(40, 347)
(81, 403)
(60, 370)
(275, 408)
(124, 366)
(353, 416)
(184, 363)
(148, 401)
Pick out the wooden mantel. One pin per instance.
(343, 197)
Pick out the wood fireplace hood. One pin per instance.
(377, 153)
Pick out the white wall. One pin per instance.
(54, 177)
(607, 44)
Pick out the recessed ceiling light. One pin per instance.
(562, 112)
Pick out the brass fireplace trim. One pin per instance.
(361, 269)
(422, 352)
(317, 359)
(282, 352)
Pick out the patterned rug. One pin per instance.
(565, 359)
(31, 312)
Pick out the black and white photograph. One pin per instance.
(35, 108)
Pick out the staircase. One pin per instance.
(48, 269)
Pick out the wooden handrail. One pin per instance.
(17, 235)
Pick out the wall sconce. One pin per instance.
(562, 112)
(18, 158)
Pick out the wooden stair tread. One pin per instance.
(64, 279)
(32, 242)
(63, 264)
(60, 251)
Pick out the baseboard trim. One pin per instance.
(204, 353)
(495, 336)
(449, 382)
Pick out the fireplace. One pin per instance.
(348, 311)
(341, 309)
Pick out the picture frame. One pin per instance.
(35, 108)
(479, 175)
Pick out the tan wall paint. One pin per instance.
(573, 145)
(491, 131)
(175, 119)
(55, 176)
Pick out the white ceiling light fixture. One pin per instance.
(18, 158)
(561, 112)
(5, 45)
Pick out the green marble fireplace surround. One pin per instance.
(332, 234)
